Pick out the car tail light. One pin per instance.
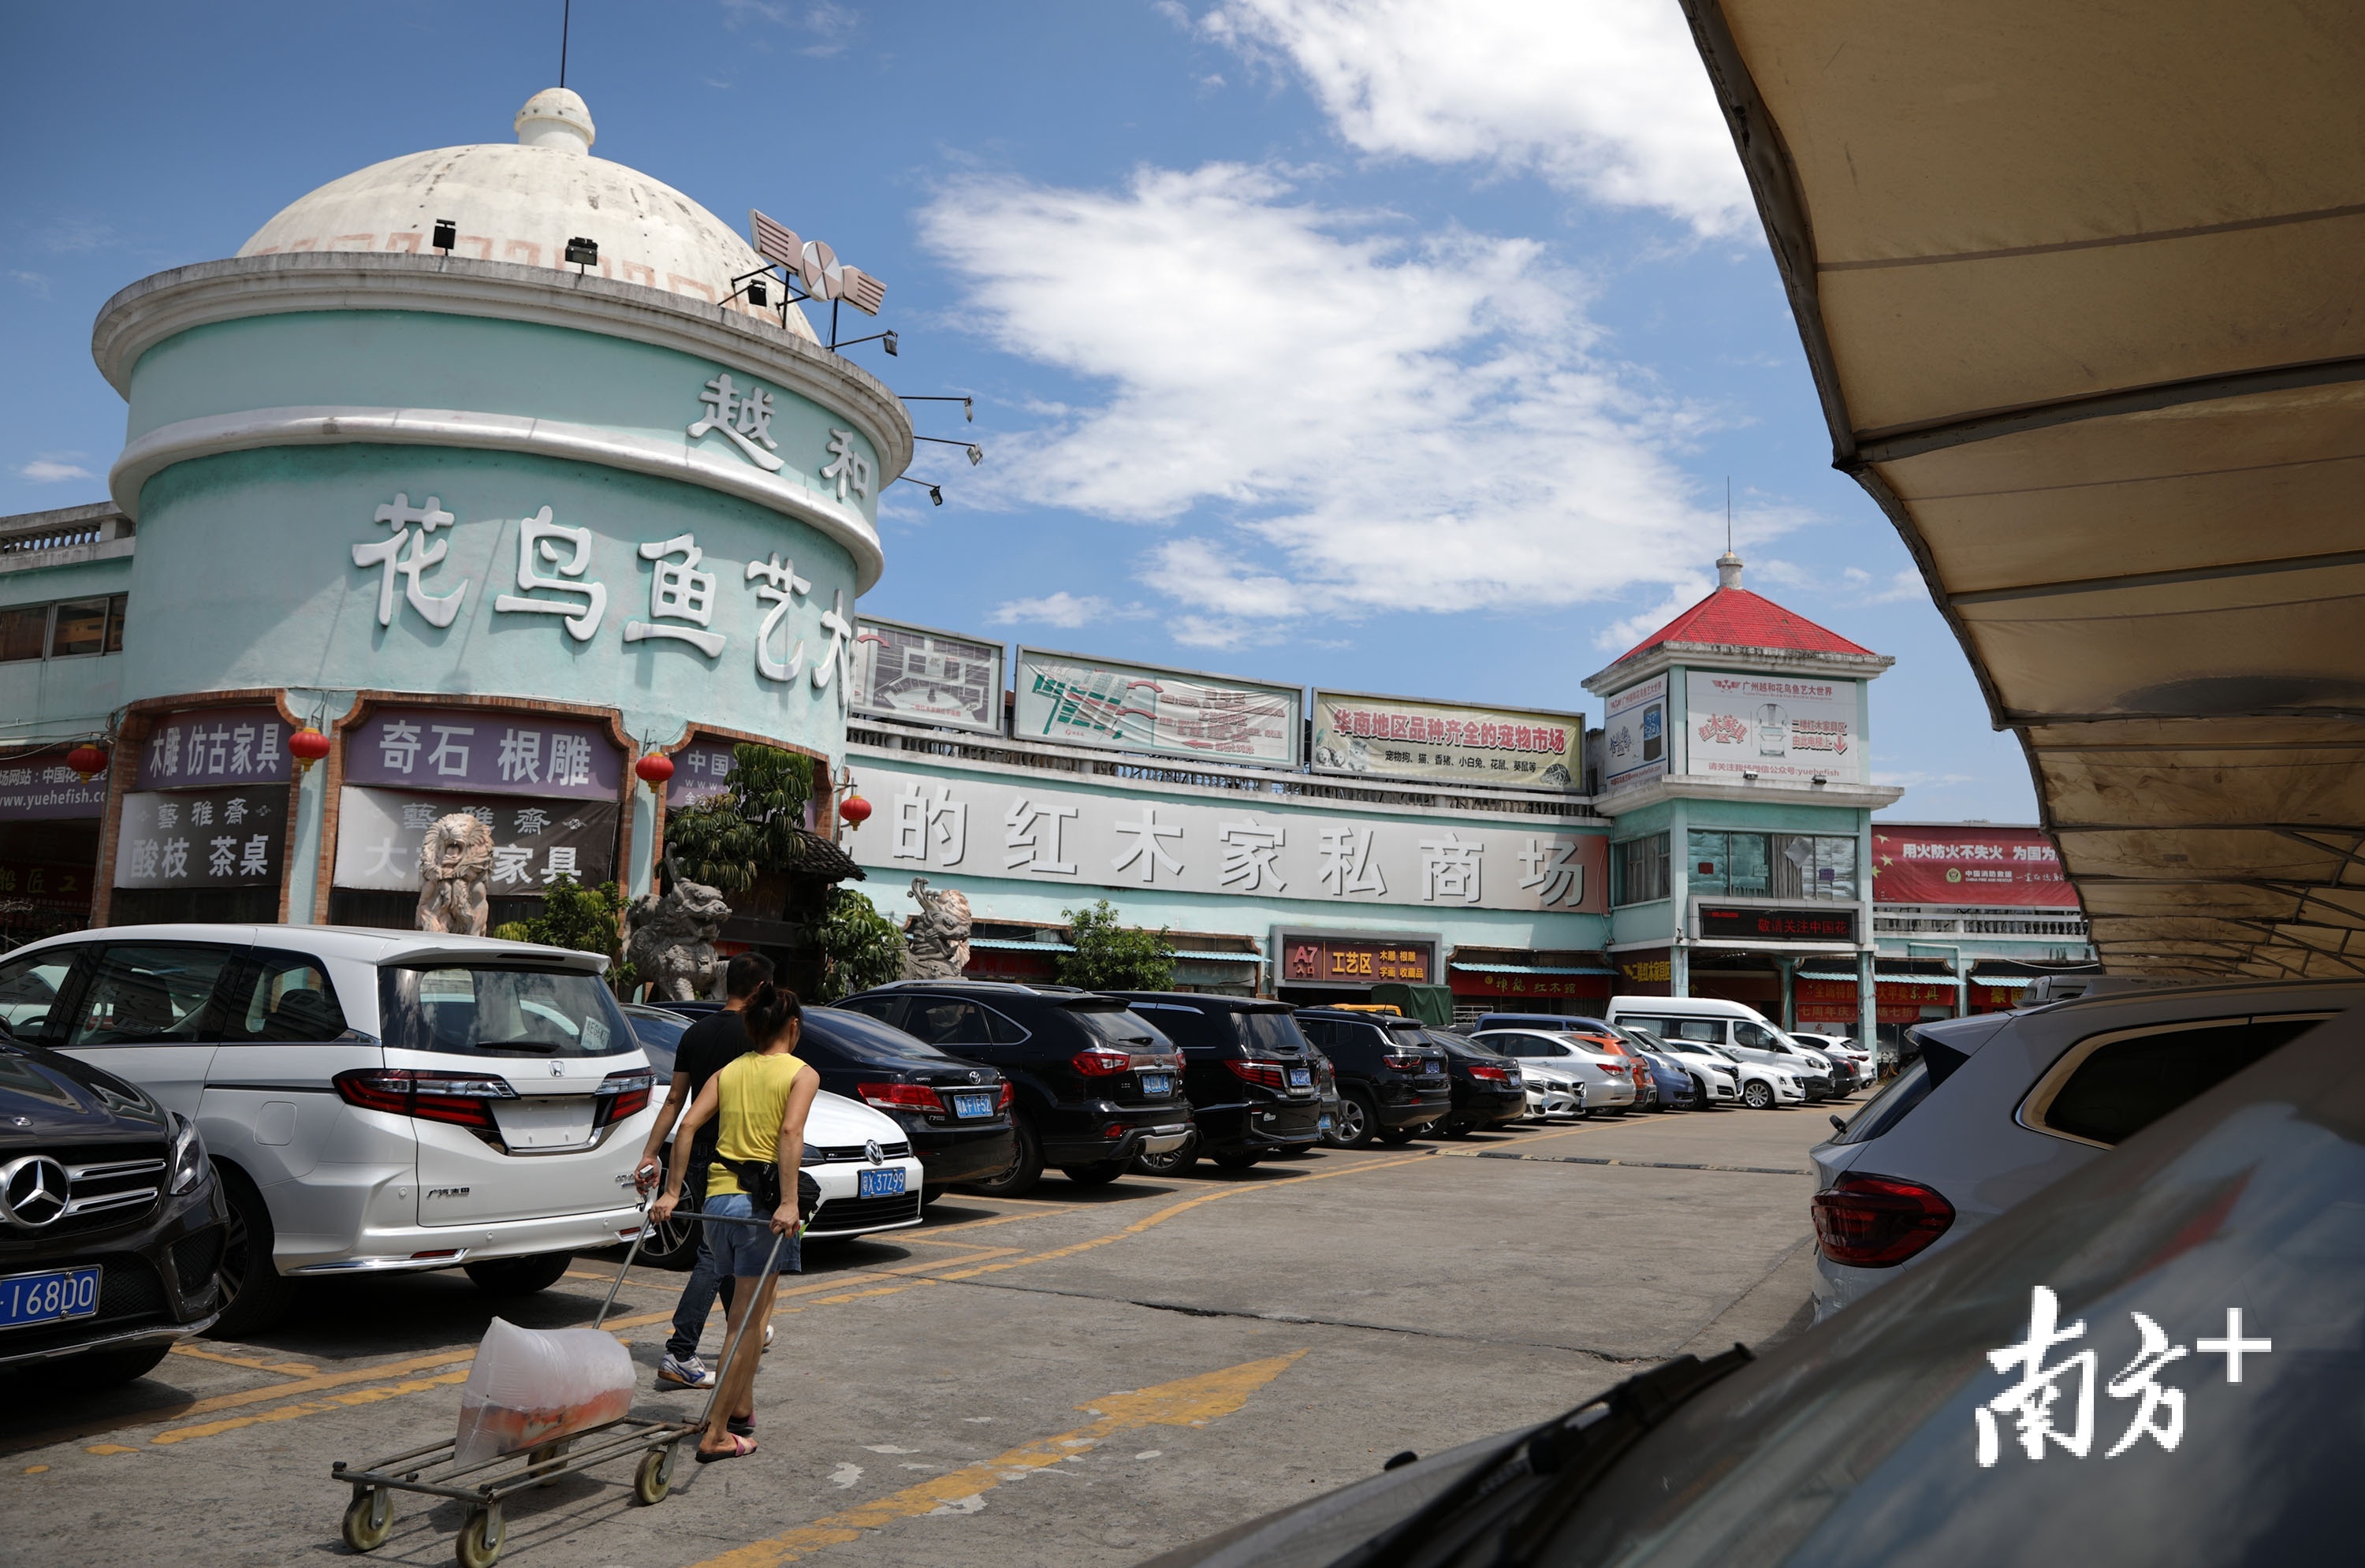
(428, 1096)
(623, 1094)
(1008, 1093)
(1099, 1061)
(1268, 1073)
(1406, 1064)
(1491, 1074)
(918, 1097)
(1877, 1222)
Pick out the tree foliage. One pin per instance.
(748, 830)
(1112, 956)
(859, 947)
(589, 920)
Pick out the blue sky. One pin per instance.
(1389, 346)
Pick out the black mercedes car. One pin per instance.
(1392, 1077)
(111, 1223)
(1093, 1083)
(1488, 1089)
(1248, 1071)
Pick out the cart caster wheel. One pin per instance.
(546, 1452)
(479, 1545)
(369, 1519)
(654, 1480)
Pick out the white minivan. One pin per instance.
(375, 1101)
(1739, 1031)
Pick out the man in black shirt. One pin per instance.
(706, 1047)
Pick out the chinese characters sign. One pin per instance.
(1338, 960)
(1896, 1001)
(42, 787)
(1017, 831)
(910, 672)
(1397, 739)
(226, 837)
(534, 842)
(1757, 924)
(1634, 734)
(215, 745)
(2015, 867)
(1775, 727)
(1134, 707)
(44, 885)
(483, 749)
(699, 772)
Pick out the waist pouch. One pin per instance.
(760, 1180)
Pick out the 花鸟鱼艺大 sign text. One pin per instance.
(1397, 737)
(1094, 703)
(1778, 727)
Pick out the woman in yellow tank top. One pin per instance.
(759, 1104)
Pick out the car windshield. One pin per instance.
(1463, 1047)
(1121, 1026)
(864, 1040)
(522, 1010)
(1274, 1034)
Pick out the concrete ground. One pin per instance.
(1086, 1376)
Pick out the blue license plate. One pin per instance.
(1301, 1077)
(886, 1184)
(50, 1296)
(973, 1104)
(1157, 1083)
(1325, 1124)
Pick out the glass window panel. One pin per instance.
(1835, 867)
(1792, 862)
(1706, 868)
(81, 628)
(23, 631)
(150, 995)
(1749, 875)
(288, 999)
(114, 607)
(484, 1010)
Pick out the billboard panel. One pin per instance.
(1398, 737)
(1945, 863)
(1634, 734)
(1778, 727)
(1142, 707)
(929, 676)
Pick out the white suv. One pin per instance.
(375, 1101)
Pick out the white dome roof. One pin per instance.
(521, 203)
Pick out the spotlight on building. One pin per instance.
(1747, 777)
(976, 452)
(757, 295)
(935, 492)
(976, 456)
(1820, 780)
(968, 405)
(447, 234)
(891, 340)
(582, 253)
(935, 495)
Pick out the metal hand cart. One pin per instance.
(484, 1485)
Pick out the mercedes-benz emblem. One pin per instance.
(33, 1190)
(871, 1152)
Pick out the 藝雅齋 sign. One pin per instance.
(934, 677)
(1094, 703)
(1778, 727)
(227, 837)
(535, 842)
(1396, 737)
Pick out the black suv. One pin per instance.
(1093, 1085)
(1489, 1091)
(1392, 1077)
(111, 1223)
(1248, 1071)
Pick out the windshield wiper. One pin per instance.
(520, 1047)
(1572, 1450)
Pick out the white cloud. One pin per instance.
(1388, 423)
(1062, 609)
(49, 471)
(1603, 99)
(1620, 636)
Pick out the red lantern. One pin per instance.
(306, 745)
(654, 769)
(88, 760)
(854, 810)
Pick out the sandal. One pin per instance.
(740, 1449)
(744, 1426)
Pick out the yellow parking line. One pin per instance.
(257, 1363)
(1190, 1401)
(346, 1400)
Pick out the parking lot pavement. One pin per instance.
(1084, 1376)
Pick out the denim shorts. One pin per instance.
(739, 1251)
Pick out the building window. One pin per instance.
(66, 630)
(1641, 869)
(1772, 864)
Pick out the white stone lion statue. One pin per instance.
(453, 865)
(670, 940)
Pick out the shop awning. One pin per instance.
(2078, 288)
(1527, 969)
(1013, 945)
(1879, 975)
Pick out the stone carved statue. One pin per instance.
(670, 940)
(453, 864)
(936, 947)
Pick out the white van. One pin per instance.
(375, 1101)
(1732, 1026)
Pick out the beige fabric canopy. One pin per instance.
(2080, 289)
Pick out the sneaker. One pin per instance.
(768, 1336)
(687, 1372)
